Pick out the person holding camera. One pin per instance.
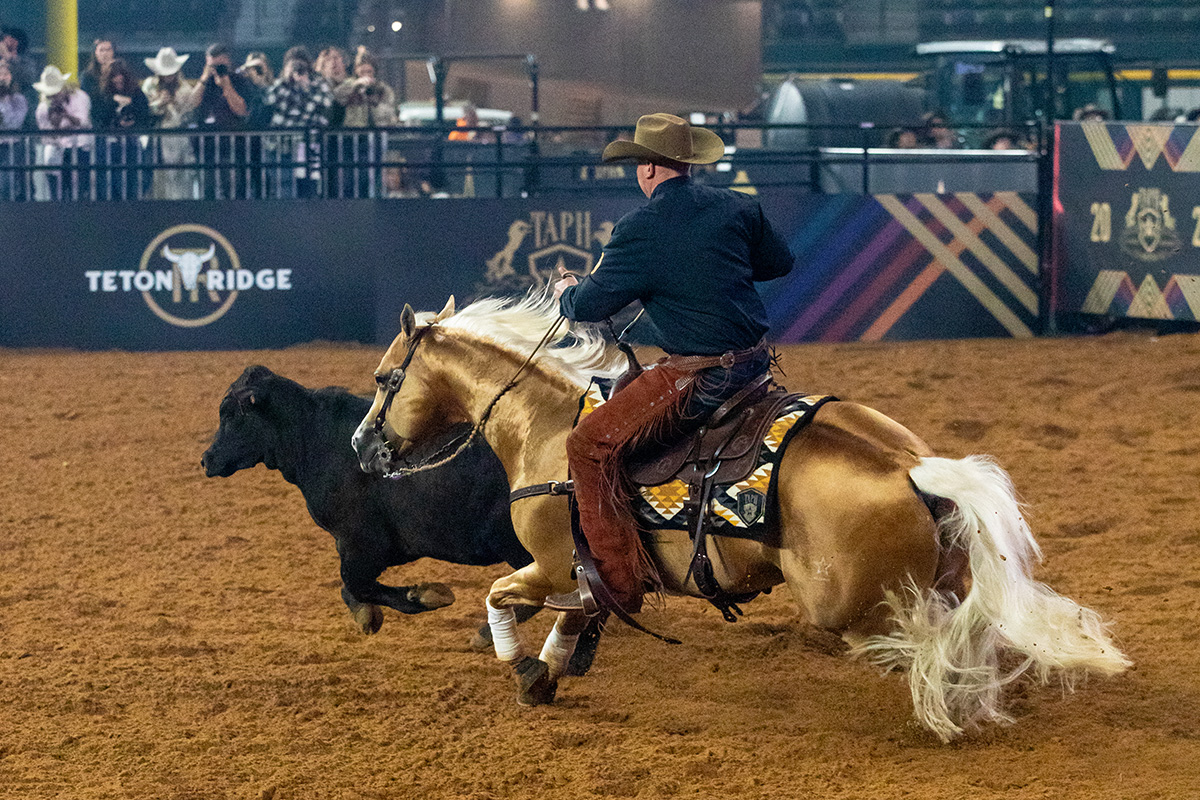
(62, 107)
(14, 109)
(369, 103)
(120, 106)
(222, 101)
(301, 98)
(166, 90)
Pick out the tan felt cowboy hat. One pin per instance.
(52, 82)
(668, 136)
(167, 62)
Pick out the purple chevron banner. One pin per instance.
(919, 266)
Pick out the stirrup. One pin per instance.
(582, 599)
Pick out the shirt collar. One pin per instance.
(669, 185)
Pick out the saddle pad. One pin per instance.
(739, 509)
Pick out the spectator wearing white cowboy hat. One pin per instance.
(168, 92)
(63, 107)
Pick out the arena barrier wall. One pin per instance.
(245, 275)
(1127, 221)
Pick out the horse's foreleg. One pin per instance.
(482, 640)
(535, 683)
(560, 644)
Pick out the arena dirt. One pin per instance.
(165, 635)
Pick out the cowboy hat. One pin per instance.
(52, 82)
(167, 62)
(668, 136)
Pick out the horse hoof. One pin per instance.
(431, 595)
(369, 618)
(534, 684)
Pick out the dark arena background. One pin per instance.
(168, 635)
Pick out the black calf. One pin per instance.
(456, 513)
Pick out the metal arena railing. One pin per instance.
(383, 163)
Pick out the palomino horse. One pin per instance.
(919, 562)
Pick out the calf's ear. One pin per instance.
(408, 320)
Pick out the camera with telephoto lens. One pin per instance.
(221, 70)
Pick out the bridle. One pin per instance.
(395, 379)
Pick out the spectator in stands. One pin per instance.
(166, 89)
(63, 107)
(369, 102)
(257, 67)
(103, 54)
(13, 44)
(122, 104)
(1091, 113)
(223, 101)
(14, 108)
(904, 139)
(1002, 140)
(936, 134)
(301, 98)
(466, 125)
(331, 64)
(121, 107)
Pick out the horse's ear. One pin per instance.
(446, 312)
(408, 320)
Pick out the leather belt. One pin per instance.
(726, 360)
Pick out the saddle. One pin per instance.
(718, 480)
(727, 444)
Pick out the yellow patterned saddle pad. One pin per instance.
(739, 509)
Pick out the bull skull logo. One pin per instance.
(1150, 232)
(189, 263)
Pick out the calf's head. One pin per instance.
(244, 437)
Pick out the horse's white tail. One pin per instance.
(952, 654)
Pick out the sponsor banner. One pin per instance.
(1127, 220)
(245, 275)
(476, 248)
(918, 266)
(188, 275)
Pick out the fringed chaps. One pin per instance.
(650, 408)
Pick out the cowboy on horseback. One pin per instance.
(691, 255)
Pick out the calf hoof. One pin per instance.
(369, 618)
(481, 641)
(431, 595)
(535, 687)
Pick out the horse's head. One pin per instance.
(407, 408)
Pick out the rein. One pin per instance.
(396, 379)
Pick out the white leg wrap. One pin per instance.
(557, 650)
(503, 622)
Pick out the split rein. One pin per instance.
(395, 380)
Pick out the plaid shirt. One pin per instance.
(295, 107)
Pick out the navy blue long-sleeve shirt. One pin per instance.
(691, 256)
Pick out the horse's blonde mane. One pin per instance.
(577, 352)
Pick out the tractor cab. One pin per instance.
(1002, 83)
